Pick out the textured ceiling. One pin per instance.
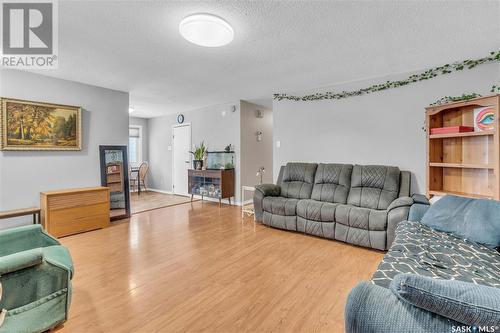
(279, 46)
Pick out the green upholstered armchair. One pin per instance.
(35, 280)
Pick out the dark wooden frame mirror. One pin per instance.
(124, 181)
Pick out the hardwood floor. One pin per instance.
(152, 200)
(197, 267)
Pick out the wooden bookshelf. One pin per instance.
(464, 164)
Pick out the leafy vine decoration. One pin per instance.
(426, 75)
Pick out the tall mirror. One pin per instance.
(114, 174)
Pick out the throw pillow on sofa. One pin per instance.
(464, 302)
(477, 220)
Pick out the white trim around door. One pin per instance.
(173, 158)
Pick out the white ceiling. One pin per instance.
(279, 46)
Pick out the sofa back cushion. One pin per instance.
(332, 183)
(472, 219)
(298, 180)
(374, 186)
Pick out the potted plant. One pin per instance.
(198, 154)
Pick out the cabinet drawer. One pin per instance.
(69, 227)
(62, 215)
(76, 199)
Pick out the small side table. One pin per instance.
(246, 208)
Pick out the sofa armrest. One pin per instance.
(20, 260)
(262, 191)
(464, 302)
(397, 212)
(400, 202)
(269, 190)
(419, 208)
(420, 199)
(372, 309)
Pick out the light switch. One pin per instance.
(278, 144)
(169, 148)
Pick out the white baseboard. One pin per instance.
(160, 191)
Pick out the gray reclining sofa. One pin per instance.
(357, 204)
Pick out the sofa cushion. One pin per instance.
(316, 210)
(280, 221)
(298, 180)
(332, 182)
(473, 219)
(361, 218)
(280, 205)
(373, 186)
(316, 228)
(417, 249)
(375, 239)
(464, 302)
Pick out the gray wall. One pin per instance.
(254, 153)
(207, 124)
(23, 175)
(379, 128)
(143, 122)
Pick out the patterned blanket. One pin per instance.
(418, 249)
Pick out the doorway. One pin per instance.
(181, 158)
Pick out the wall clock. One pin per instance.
(180, 118)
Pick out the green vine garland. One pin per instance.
(449, 99)
(463, 97)
(426, 75)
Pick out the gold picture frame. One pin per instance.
(28, 125)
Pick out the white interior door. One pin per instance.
(181, 158)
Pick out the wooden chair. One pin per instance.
(140, 179)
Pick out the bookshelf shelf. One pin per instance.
(461, 135)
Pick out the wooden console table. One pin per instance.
(72, 211)
(22, 212)
(218, 184)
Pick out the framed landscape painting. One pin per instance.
(29, 125)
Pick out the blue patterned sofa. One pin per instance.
(421, 251)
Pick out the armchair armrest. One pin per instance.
(28, 276)
(21, 260)
(371, 309)
(24, 238)
(269, 190)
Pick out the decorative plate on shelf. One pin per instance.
(484, 119)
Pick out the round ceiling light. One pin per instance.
(206, 30)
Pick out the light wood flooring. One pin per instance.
(152, 200)
(200, 268)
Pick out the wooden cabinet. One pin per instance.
(465, 164)
(72, 211)
(218, 184)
